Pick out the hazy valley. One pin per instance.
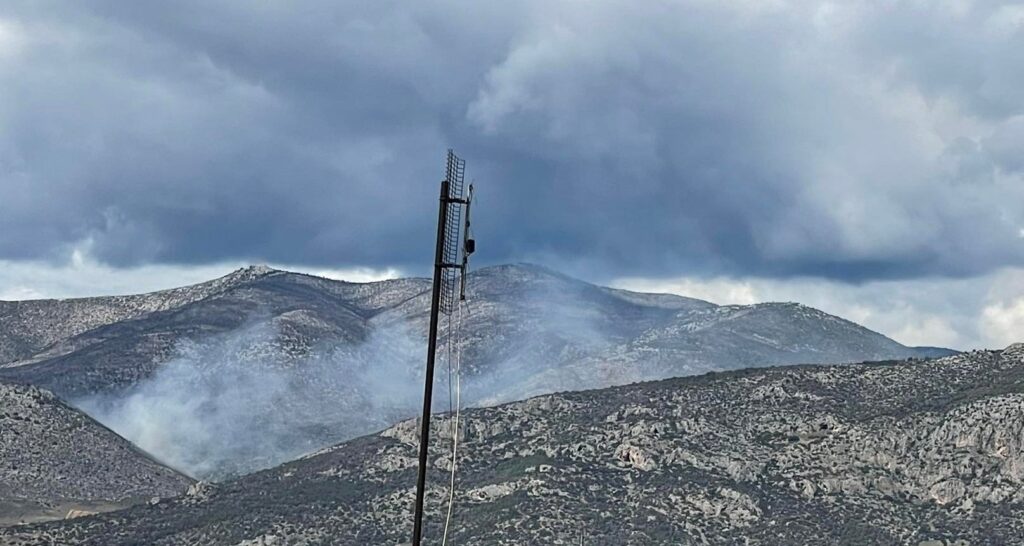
(261, 366)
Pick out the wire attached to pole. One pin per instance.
(448, 361)
(456, 424)
(452, 203)
(468, 247)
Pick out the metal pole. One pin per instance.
(428, 386)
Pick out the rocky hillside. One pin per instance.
(37, 328)
(54, 460)
(909, 452)
(519, 312)
(261, 366)
(531, 331)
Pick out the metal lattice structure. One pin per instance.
(451, 260)
(454, 174)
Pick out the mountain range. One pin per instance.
(920, 452)
(261, 366)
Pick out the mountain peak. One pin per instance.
(256, 269)
(249, 273)
(524, 271)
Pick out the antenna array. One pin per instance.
(451, 261)
(454, 174)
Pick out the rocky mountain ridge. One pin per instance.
(34, 329)
(262, 365)
(54, 460)
(921, 452)
(50, 342)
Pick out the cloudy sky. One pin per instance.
(866, 158)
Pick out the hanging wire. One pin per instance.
(448, 360)
(458, 415)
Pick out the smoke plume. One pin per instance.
(234, 403)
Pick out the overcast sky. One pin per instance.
(863, 157)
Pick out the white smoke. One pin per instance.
(234, 403)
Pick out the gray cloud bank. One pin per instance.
(853, 141)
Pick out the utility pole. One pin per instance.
(446, 266)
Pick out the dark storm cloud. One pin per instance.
(744, 138)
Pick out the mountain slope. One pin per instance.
(54, 459)
(515, 312)
(30, 327)
(896, 453)
(118, 355)
(271, 364)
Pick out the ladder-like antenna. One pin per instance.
(448, 270)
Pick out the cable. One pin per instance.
(456, 423)
(448, 360)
